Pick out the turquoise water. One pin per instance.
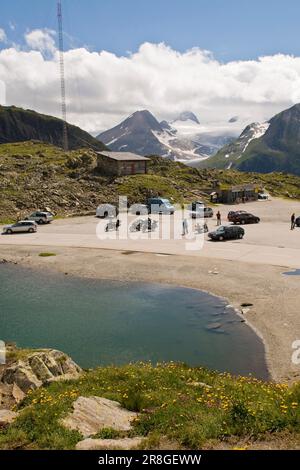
(105, 322)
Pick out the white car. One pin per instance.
(105, 211)
(24, 226)
(41, 217)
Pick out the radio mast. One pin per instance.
(62, 75)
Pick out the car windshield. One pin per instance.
(220, 229)
(166, 202)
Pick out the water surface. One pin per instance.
(104, 322)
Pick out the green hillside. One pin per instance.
(35, 176)
(18, 125)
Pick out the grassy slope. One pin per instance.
(17, 125)
(173, 403)
(35, 175)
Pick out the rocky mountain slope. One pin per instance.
(35, 176)
(19, 125)
(265, 148)
(184, 138)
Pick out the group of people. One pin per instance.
(185, 225)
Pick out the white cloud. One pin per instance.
(103, 88)
(3, 37)
(41, 40)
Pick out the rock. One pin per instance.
(110, 444)
(39, 369)
(91, 414)
(7, 417)
(17, 393)
(245, 311)
(199, 384)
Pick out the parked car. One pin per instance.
(229, 232)
(263, 196)
(24, 226)
(40, 217)
(297, 222)
(139, 209)
(199, 210)
(158, 205)
(231, 214)
(245, 218)
(105, 211)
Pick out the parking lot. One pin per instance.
(269, 242)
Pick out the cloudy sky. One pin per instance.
(216, 58)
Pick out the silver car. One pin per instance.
(24, 226)
(41, 217)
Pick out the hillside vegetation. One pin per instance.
(34, 175)
(18, 125)
(189, 407)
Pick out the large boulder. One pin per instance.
(91, 414)
(40, 368)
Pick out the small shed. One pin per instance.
(121, 163)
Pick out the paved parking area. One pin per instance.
(270, 242)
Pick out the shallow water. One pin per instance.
(105, 322)
(295, 272)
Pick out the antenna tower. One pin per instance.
(62, 76)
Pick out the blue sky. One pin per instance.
(253, 72)
(231, 29)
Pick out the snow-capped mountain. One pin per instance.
(230, 154)
(272, 146)
(183, 138)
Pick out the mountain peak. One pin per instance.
(188, 116)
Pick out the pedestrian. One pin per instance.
(185, 227)
(219, 220)
(293, 220)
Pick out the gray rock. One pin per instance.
(110, 444)
(40, 368)
(7, 417)
(91, 414)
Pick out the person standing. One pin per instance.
(185, 227)
(219, 220)
(293, 220)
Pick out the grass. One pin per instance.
(47, 255)
(190, 407)
(35, 176)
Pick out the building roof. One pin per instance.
(123, 156)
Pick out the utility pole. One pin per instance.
(62, 75)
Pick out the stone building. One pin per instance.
(121, 163)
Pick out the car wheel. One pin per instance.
(243, 222)
(41, 222)
(9, 232)
(221, 238)
(30, 230)
(241, 236)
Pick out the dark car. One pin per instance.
(231, 214)
(297, 222)
(229, 232)
(244, 218)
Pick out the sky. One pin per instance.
(216, 58)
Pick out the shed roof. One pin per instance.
(123, 156)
